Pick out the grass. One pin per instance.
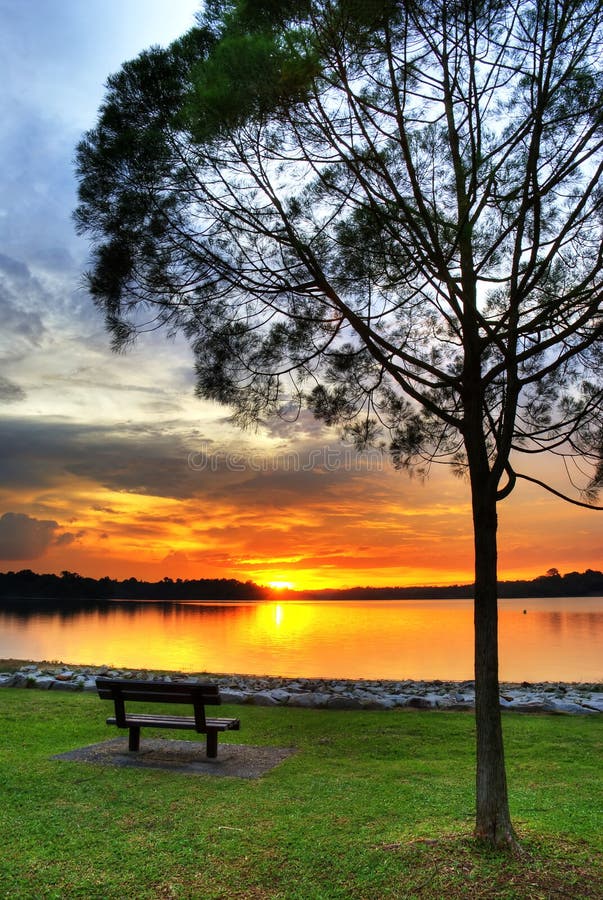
(373, 805)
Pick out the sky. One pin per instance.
(109, 465)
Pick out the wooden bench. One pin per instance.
(198, 696)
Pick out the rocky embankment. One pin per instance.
(548, 697)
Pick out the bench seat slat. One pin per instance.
(188, 722)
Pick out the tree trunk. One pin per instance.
(493, 821)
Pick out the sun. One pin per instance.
(280, 585)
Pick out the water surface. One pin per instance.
(540, 639)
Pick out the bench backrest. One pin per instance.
(158, 691)
(121, 690)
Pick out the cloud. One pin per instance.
(38, 190)
(63, 56)
(10, 392)
(13, 267)
(44, 453)
(166, 460)
(298, 424)
(21, 295)
(63, 540)
(22, 537)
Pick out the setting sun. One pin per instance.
(280, 585)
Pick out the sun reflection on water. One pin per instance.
(553, 640)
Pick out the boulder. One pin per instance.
(417, 702)
(309, 700)
(566, 707)
(281, 696)
(384, 703)
(58, 685)
(526, 704)
(261, 698)
(230, 695)
(341, 702)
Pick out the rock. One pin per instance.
(460, 705)
(568, 699)
(281, 696)
(595, 703)
(434, 699)
(384, 703)
(419, 703)
(526, 705)
(341, 702)
(58, 685)
(309, 700)
(229, 695)
(566, 707)
(261, 698)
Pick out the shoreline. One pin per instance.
(564, 698)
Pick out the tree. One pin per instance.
(390, 212)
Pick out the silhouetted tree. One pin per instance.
(388, 211)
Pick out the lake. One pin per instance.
(559, 639)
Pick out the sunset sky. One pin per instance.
(109, 465)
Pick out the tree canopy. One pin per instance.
(343, 203)
(389, 212)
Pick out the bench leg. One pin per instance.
(134, 741)
(212, 744)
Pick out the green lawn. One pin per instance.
(373, 805)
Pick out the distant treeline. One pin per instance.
(573, 584)
(27, 585)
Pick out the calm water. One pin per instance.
(558, 639)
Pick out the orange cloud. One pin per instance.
(132, 509)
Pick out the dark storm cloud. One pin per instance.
(160, 461)
(44, 452)
(22, 537)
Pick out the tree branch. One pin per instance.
(552, 490)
